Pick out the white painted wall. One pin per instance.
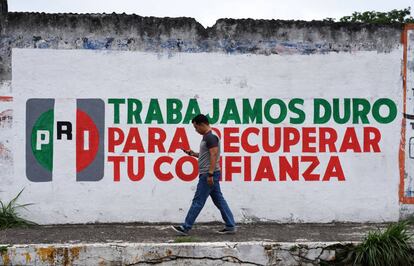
(370, 192)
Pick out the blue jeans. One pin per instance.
(200, 197)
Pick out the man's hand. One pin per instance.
(188, 152)
(210, 181)
(191, 153)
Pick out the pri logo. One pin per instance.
(86, 132)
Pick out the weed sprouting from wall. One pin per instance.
(9, 216)
(389, 247)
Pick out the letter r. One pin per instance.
(64, 127)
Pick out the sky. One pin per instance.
(208, 11)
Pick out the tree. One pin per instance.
(393, 16)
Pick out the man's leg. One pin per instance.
(221, 203)
(200, 197)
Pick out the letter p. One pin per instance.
(42, 138)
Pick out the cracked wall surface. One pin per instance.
(239, 253)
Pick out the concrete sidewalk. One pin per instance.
(161, 233)
(133, 244)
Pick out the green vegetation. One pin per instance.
(293, 248)
(3, 249)
(389, 247)
(9, 216)
(393, 16)
(184, 239)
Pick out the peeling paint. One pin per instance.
(74, 253)
(47, 254)
(6, 121)
(245, 253)
(28, 258)
(61, 255)
(6, 258)
(6, 118)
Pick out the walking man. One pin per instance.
(208, 180)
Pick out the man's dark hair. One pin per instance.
(199, 119)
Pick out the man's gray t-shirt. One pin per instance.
(209, 141)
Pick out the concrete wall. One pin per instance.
(136, 33)
(227, 253)
(3, 14)
(128, 56)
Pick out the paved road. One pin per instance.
(161, 233)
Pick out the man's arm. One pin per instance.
(213, 160)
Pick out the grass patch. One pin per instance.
(9, 216)
(293, 248)
(186, 239)
(3, 249)
(389, 247)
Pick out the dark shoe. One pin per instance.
(227, 231)
(180, 230)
